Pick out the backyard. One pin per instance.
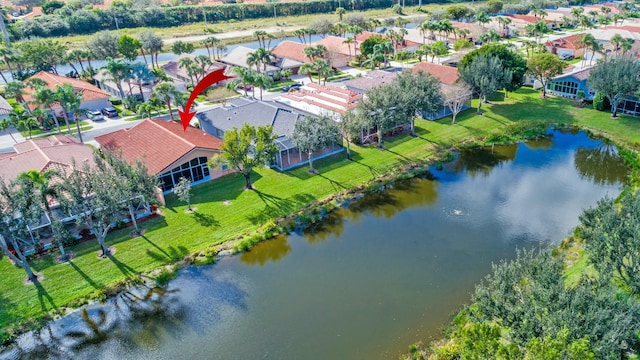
(226, 211)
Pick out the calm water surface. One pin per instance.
(386, 272)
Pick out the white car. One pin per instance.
(95, 115)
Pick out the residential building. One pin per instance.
(291, 55)
(57, 153)
(169, 152)
(238, 57)
(566, 46)
(175, 72)
(568, 85)
(239, 111)
(339, 52)
(369, 80)
(319, 100)
(93, 97)
(447, 76)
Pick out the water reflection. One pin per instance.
(601, 164)
(272, 250)
(482, 161)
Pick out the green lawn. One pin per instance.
(176, 234)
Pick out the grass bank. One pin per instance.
(225, 211)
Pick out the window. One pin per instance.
(196, 170)
(224, 166)
(563, 87)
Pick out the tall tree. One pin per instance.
(45, 97)
(94, 195)
(379, 110)
(311, 134)
(14, 200)
(166, 92)
(485, 74)
(15, 89)
(7, 124)
(417, 95)
(41, 183)
(129, 47)
(152, 45)
(181, 47)
(139, 186)
(141, 74)
(615, 78)
(350, 126)
(247, 149)
(510, 59)
(63, 95)
(116, 71)
(544, 67)
(104, 44)
(455, 97)
(71, 103)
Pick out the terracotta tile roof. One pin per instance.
(291, 50)
(629, 27)
(365, 35)
(173, 69)
(89, 92)
(159, 143)
(41, 154)
(336, 44)
(572, 42)
(445, 74)
(527, 18)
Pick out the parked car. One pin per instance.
(248, 87)
(291, 86)
(109, 112)
(95, 115)
(566, 57)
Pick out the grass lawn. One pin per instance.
(176, 234)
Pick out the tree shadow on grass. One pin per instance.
(337, 186)
(276, 207)
(403, 159)
(44, 298)
(127, 270)
(323, 165)
(84, 275)
(171, 254)
(206, 220)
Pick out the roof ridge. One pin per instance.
(172, 133)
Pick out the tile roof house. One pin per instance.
(93, 97)
(568, 45)
(291, 50)
(339, 53)
(238, 57)
(259, 113)
(55, 152)
(445, 74)
(168, 151)
(331, 101)
(5, 108)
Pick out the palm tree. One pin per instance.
(71, 103)
(185, 63)
(323, 69)
(482, 18)
(243, 77)
(307, 69)
(210, 43)
(116, 71)
(586, 41)
(65, 94)
(266, 57)
(45, 97)
(165, 92)
(348, 41)
(6, 124)
(141, 74)
(616, 40)
(15, 89)
(262, 81)
(576, 12)
(27, 123)
(627, 45)
(76, 55)
(340, 11)
(254, 59)
(261, 36)
(355, 30)
(9, 55)
(41, 183)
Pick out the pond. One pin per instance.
(389, 270)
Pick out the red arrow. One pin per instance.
(212, 78)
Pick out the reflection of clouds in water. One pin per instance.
(551, 205)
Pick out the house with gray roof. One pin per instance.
(238, 57)
(239, 111)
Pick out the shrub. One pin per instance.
(600, 102)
